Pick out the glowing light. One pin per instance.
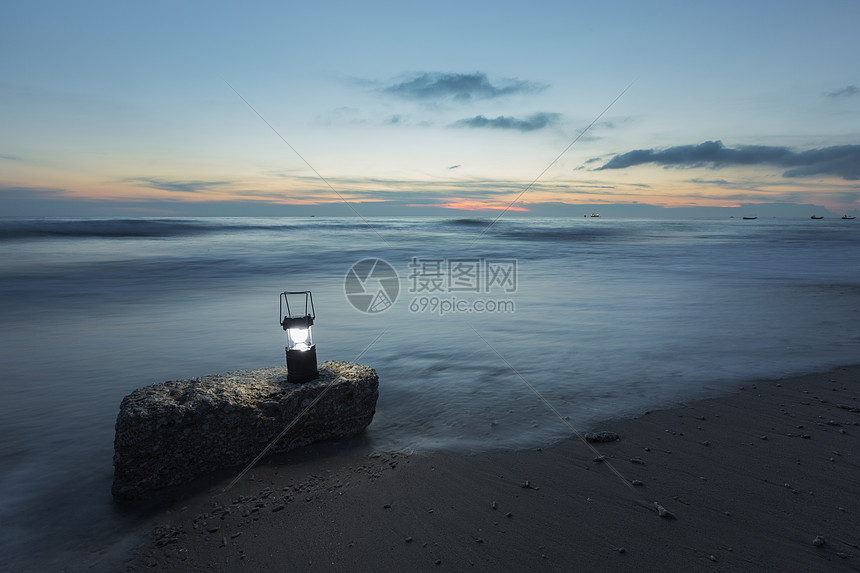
(299, 335)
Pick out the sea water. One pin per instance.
(490, 323)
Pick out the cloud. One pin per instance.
(847, 91)
(454, 167)
(14, 192)
(839, 160)
(531, 123)
(416, 191)
(405, 120)
(721, 182)
(846, 197)
(458, 87)
(176, 186)
(342, 115)
(11, 157)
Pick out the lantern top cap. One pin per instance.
(298, 309)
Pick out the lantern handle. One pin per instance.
(285, 301)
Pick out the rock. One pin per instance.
(818, 541)
(663, 512)
(601, 436)
(173, 432)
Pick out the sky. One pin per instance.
(153, 109)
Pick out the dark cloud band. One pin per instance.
(840, 160)
(847, 91)
(176, 186)
(531, 123)
(459, 87)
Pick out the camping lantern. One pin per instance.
(301, 352)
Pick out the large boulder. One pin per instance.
(173, 432)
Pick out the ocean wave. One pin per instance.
(34, 228)
(570, 234)
(13, 229)
(479, 222)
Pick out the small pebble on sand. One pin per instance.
(663, 512)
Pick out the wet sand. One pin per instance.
(764, 479)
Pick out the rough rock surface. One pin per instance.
(172, 432)
(601, 436)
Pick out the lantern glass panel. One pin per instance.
(299, 338)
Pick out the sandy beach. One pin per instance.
(766, 478)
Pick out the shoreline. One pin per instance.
(752, 478)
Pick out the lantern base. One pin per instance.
(302, 365)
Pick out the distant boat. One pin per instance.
(595, 215)
(750, 218)
(848, 217)
(814, 217)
